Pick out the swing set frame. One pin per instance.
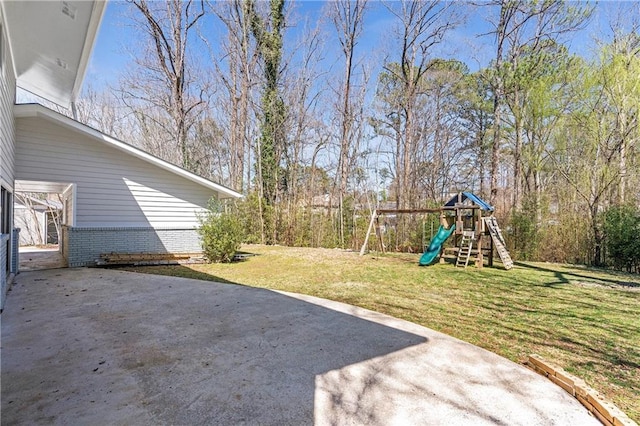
(478, 225)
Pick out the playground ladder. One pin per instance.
(465, 248)
(498, 241)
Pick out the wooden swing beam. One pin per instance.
(378, 212)
(392, 211)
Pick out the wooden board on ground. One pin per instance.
(140, 259)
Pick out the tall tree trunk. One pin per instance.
(506, 11)
(622, 164)
(517, 153)
(347, 18)
(269, 38)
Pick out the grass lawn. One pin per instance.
(585, 320)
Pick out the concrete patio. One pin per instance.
(91, 346)
(37, 258)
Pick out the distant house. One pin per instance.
(36, 220)
(116, 198)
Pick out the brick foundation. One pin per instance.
(4, 285)
(83, 246)
(15, 255)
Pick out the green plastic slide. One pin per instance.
(436, 244)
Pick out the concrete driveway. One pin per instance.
(92, 346)
(38, 258)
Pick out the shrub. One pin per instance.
(524, 234)
(248, 213)
(221, 233)
(621, 230)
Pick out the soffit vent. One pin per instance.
(62, 64)
(69, 10)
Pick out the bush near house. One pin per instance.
(221, 233)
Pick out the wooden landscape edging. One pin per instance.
(604, 410)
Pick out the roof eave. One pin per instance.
(52, 86)
(92, 32)
(39, 111)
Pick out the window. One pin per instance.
(5, 221)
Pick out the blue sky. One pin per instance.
(116, 36)
(117, 40)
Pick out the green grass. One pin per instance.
(585, 320)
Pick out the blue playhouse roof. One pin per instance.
(474, 198)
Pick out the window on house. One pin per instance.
(5, 220)
(5, 226)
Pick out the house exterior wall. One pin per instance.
(112, 189)
(4, 283)
(7, 99)
(116, 203)
(8, 263)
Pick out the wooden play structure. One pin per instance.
(469, 219)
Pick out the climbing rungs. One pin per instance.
(498, 241)
(466, 245)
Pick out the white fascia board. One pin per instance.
(97, 13)
(39, 111)
(7, 41)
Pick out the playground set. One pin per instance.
(466, 216)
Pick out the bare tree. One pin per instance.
(102, 110)
(31, 225)
(423, 25)
(305, 127)
(441, 146)
(165, 80)
(237, 72)
(347, 17)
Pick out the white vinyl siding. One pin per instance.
(7, 170)
(112, 187)
(7, 99)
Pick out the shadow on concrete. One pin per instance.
(173, 270)
(93, 346)
(197, 353)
